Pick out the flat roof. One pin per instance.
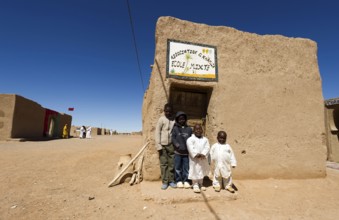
(330, 102)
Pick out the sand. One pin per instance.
(67, 179)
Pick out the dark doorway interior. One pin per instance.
(193, 101)
(336, 117)
(336, 122)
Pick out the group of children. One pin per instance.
(184, 153)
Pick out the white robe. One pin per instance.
(82, 132)
(223, 157)
(199, 168)
(88, 133)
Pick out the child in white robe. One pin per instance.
(82, 132)
(223, 158)
(198, 148)
(88, 132)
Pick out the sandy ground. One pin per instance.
(67, 179)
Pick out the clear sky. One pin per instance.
(81, 54)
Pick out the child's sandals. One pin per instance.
(217, 188)
(230, 189)
(196, 188)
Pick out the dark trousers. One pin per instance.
(181, 167)
(166, 156)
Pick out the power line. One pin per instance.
(135, 45)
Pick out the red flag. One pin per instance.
(70, 109)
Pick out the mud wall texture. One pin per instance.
(64, 119)
(332, 126)
(7, 105)
(268, 99)
(28, 119)
(24, 118)
(21, 118)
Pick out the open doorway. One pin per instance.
(193, 101)
(335, 129)
(336, 119)
(51, 128)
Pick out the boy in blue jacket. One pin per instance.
(180, 133)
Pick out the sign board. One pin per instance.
(191, 61)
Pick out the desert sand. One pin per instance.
(68, 178)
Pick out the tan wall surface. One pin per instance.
(73, 131)
(24, 118)
(28, 119)
(332, 134)
(96, 131)
(7, 104)
(268, 99)
(64, 119)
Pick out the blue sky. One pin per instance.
(80, 53)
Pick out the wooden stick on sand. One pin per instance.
(113, 182)
(139, 167)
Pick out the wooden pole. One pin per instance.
(139, 167)
(132, 179)
(129, 163)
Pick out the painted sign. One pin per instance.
(191, 61)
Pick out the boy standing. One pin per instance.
(165, 148)
(181, 132)
(223, 157)
(198, 148)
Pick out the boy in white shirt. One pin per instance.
(223, 157)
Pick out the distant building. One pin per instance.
(24, 118)
(75, 131)
(136, 133)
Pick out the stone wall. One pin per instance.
(268, 99)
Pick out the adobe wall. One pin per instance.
(7, 104)
(268, 98)
(28, 119)
(64, 119)
(73, 132)
(96, 131)
(332, 129)
(24, 118)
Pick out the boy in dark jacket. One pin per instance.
(180, 133)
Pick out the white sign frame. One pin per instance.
(190, 61)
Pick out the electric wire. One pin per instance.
(135, 45)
